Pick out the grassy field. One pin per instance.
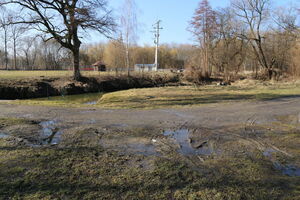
(35, 74)
(80, 168)
(151, 98)
(64, 101)
(11, 75)
(192, 96)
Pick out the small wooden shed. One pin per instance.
(99, 66)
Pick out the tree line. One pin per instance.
(249, 35)
(32, 53)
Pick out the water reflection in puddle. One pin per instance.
(129, 146)
(268, 152)
(141, 149)
(288, 170)
(50, 134)
(3, 136)
(182, 138)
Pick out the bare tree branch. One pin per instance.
(63, 20)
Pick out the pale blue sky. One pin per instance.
(174, 14)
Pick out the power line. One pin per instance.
(156, 32)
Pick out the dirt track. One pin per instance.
(246, 146)
(245, 123)
(210, 116)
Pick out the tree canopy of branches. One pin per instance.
(254, 13)
(228, 53)
(114, 55)
(63, 20)
(129, 28)
(203, 26)
(4, 21)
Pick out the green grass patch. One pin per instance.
(13, 121)
(191, 96)
(12, 75)
(92, 173)
(151, 98)
(64, 101)
(36, 74)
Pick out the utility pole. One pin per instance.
(156, 32)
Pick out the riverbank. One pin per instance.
(21, 88)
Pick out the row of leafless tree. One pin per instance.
(25, 52)
(113, 54)
(251, 33)
(63, 22)
(32, 53)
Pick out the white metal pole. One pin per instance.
(157, 35)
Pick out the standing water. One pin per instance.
(289, 170)
(182, 138)
(3, 136)
(50, 134)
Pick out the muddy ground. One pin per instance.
(247, 150)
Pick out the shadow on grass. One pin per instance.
(196, 100)
(72, 173)
(91, 173)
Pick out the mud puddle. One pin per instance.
(139, 146)
(4, 136)
(288, 170)
(182, 138)
(50, 134)
(141, 149)
(268, 153)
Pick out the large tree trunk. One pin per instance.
(76, 67)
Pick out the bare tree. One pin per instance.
(254, 13)
(129, 28)
(286, 19)
(203, 27)
(283, 40)
(29, 51)
(114, 55)
(17, 31)
(63, 20)
(4, 24)
(228, 53)
(95, 52)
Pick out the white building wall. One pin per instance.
(145, 67)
